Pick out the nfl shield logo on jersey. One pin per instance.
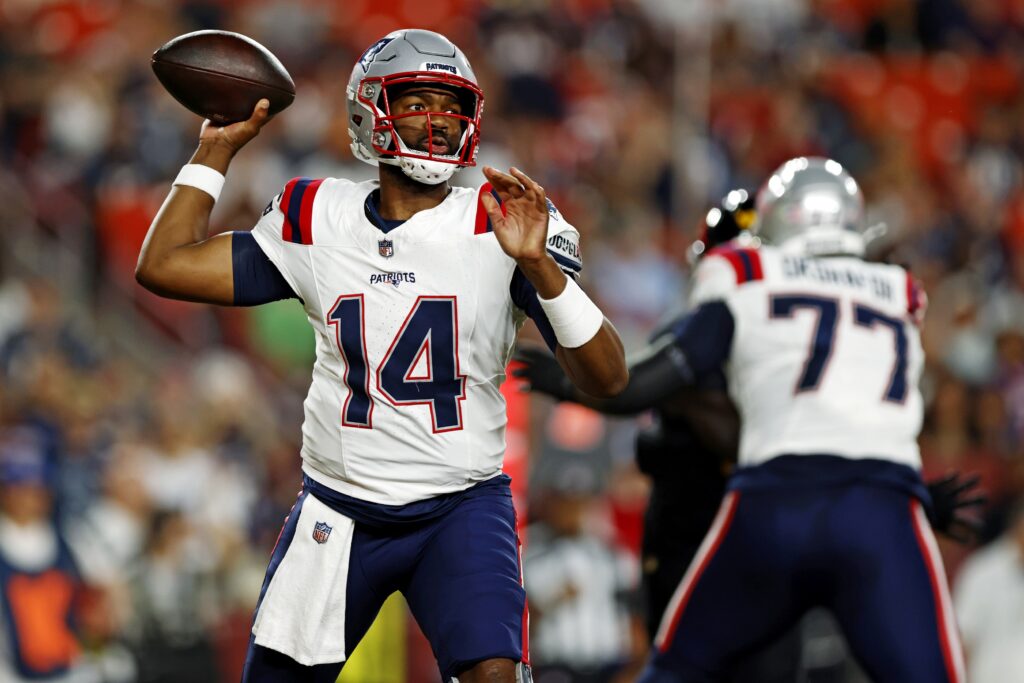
(321, 531)
(386, 248)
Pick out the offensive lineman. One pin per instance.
(686, 452)
(822, 354)
(683, 453)
(415, 290)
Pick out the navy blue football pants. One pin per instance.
(459, 574)
(864, 552)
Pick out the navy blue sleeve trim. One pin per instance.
(566, 264)
(524, 295)
(257, 280)
(705, 338)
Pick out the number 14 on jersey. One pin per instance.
(428, 338)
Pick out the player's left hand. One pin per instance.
(542, 373)
(521, 222)
(951, 496)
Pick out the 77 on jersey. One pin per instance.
(824, 336)
(431, 332)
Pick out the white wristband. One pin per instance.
(202, 178)
(573, 316)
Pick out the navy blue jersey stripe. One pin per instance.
(494, 193)
(295, 207)
(748, 267)
(565, 262)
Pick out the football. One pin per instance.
(221, 75)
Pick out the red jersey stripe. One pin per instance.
(482, 223)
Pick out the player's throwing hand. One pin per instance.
(236, 135)
(522, 227)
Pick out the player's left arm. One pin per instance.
(589, 348)
(653, 377)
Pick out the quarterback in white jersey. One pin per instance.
(826, 508)
(415, 291)
(414, 328)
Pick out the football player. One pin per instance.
(415, 290)
(821, 352)
(684, 451)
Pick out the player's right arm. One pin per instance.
(178, 259)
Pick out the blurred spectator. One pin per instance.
(585, 617)
(38, 577)
(989, 601)
(172, 598)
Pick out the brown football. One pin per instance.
(221, 75)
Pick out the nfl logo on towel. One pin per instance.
(321, 531)
(386, 248)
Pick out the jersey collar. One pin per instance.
(373, 215)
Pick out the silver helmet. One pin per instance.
(812, 206)
(402, 57)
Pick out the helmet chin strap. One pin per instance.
(426, 171)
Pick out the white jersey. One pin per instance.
(826, 353)
(414, 328)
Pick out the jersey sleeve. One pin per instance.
(284, 232)
(256, 279)
(563, 243)
(713, 280)
(705, 339)
(722, 271)
(563, 240)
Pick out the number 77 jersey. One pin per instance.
(414, 327)
(825, 355)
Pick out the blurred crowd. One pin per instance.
(155, 443)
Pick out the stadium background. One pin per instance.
(170, 430)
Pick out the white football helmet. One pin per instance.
(402, 57)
